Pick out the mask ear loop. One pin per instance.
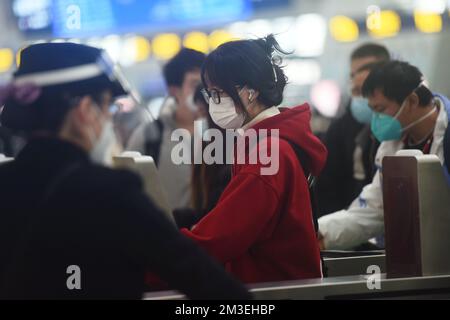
(422, 82)
(409, 126)
(429, 114)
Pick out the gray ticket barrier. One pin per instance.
(357, 287)
(416, 199)
(352, 287)
(354, 265)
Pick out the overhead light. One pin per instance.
(218, 37)
(25, 8)
(197, 41)
(326, 97)
(344, 29)
(239, 29)
(259, 28)
(311, 32)
(113, 46)
(286, 33)
(135, 49)
(428, 22)
(18, 56)
(6, 59)
(383, 24)
(430, 6)
(166, 45)
(303, 72)
(143, 48)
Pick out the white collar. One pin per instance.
(442, 120)
(268, 113)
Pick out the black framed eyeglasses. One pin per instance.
(213, 94)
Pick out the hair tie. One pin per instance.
(24, 94)
(5, 93)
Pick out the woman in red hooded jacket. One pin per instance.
(262, 227)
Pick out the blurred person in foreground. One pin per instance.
(182, 76)
(71, 228)
(208, 180)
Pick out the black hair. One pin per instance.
(397, 80)
(50, 109)
(183, 62)
(247, 63)
(368, 67)
(371, 50)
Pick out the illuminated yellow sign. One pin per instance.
(344, 29)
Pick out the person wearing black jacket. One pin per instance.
(351, 146)
(71, 228)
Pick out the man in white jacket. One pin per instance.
(407, 115)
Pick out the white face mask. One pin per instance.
(102, 150)
(224, 114)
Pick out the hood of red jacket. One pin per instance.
(294, 126)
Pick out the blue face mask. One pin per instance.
(385, 127)
(360, 109)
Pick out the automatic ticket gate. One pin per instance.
(345, 263)
(416, 215)
(145, 167)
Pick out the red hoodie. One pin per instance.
(262, 228)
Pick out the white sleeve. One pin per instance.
(137, 140)
(362, 221)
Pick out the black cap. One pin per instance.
(56, 69)
(54, 64)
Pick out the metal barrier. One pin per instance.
(357, 287)
(349, 266)
(352, 287)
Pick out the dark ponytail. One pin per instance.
(270, 45)
(273, 50)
